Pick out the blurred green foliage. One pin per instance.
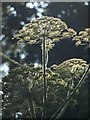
(27, 81)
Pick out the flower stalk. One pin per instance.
(44, 78)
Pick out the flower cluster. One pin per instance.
(83, 38)
(47, 28)
(71, 69)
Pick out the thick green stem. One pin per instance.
(44, 78)
(58, 113)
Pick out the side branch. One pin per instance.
(9, 59)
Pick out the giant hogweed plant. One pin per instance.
(36, 90)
